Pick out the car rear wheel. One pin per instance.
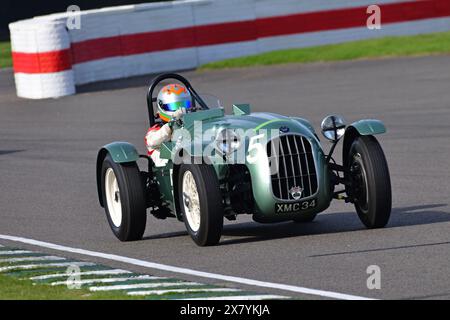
(123, 198)
(201, 203)
(370, 182)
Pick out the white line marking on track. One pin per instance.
(192, 290)
(249, 297)
(104, 280)
(12, 252)
(40, 258)
(187, 271)
(45, 265)
(82, 273)
(145, 285)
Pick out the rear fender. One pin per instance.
(121, 152)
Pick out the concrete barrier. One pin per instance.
(50, 60)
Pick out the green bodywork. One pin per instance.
(259, 169)
(360, 128)
(369, 127)
(122, 152)
(214, 120)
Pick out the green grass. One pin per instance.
(5, 55)
(15, 282)
(419, 45)
(12, 288)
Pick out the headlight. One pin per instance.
(227, 141)
(333, 127)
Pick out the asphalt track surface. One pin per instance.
(48, 190)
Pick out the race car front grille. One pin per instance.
(292, 156)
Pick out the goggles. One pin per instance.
(174, 106)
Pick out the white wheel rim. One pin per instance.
(113, 197)
(191, 202)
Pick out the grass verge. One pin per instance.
(5, 55)
(12, 288)
(418, 45)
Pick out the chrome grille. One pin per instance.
(292, 154)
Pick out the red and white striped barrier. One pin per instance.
(41, 59)
(49, 60)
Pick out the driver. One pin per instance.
(173, 101)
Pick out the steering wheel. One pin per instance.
(151, 99)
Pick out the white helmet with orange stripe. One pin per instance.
(172, 98)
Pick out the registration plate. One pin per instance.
(295, 206)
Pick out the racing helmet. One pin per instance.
(171, 98)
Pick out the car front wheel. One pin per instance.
(201, 203)
(370, 184)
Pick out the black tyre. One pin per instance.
(305, 218)
(370, 182)
(201, 203)
(123, 198)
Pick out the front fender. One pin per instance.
(362, 127)
(121, 152)
(367, 127)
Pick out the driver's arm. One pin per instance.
(156, 138)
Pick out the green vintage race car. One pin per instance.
(218, 166)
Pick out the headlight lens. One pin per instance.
(333, 127)
(227, 141)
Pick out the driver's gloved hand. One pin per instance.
(176, 117)
(179, 113)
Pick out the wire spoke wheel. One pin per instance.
(200, 201)
(191, 201)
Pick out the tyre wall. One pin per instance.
(50, 60)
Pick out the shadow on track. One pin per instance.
(324, 224)
(3, 152)
(166, 235)
(333, 223)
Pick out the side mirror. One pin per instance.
(333, 127)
